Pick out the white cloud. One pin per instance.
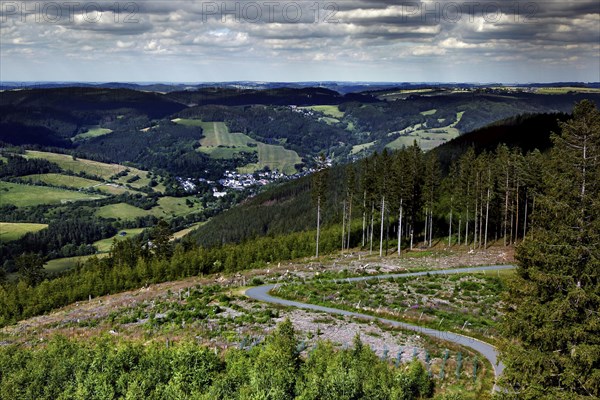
(369, 33)
(427, 51)
(124, 45)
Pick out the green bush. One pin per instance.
(108, 369)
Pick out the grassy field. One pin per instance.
(429, 112)
(275, 157)
(191, 122)
(400, 94)
(360, 147)
(329, 120)
(29, 195)
(217, 134)
(183, 232)
(143, 181)
(103, 170)
(167, 207)
(92, 132)
(67, 162)
(332, 111)
(566, 89)
(111, 188)
(174, 206)
(13, 230)
(63, 264)
(75, 182)
(427, 138)
(218, 142)
(121, 211)
(104, 245)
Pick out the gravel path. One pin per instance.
(261, 293)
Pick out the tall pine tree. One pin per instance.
(552, 322)
(318, 189)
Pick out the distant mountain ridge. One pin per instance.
(139, 126)
(341, 87)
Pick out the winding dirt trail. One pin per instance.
(262, 293)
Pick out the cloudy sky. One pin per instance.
(280, 40)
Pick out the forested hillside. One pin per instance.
(125, 125)
(545, 203)
(289, 208)
(384, 203)
(527, 132)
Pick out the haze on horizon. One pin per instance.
(291, 41)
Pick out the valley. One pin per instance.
(223, 228)
(353, 200)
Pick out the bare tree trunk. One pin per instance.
(364, 217)
(450, 228)
(467, 216)
(480, 223)
(387, 232)
(381, 235)
(583, 173)
(525, 219)
(318, 224)
(372, 221)
(430, 226)
(411, 237)
(512, 220)
(517, 216)
(506, 208)
(349, 222)
(467, 225)
(533, 212)
(476, 221)
(426, 226)
(487, 214)
(400, 230)
(343, 225)
(459, 227)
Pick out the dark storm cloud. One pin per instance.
(354, 32)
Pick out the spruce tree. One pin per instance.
(31, 268)
(552, 321)
(161, 239)
(432, 178)
(319, 182)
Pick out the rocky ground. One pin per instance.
(240, 321)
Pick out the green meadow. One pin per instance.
(15, 230)
(426, 138)
(219, 142)
(332, 111)
(121, 211)
(64, 264)
(77, 165)
(102, 170)
(167, 207)
(183, 232)
(93, 131)
(104, 245)
(360, 147)
(75, 182)
(21, 195)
